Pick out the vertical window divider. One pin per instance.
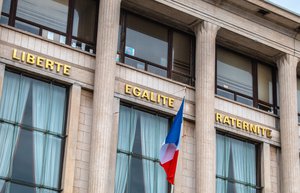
(123, 36)
(274, 88)
(255, 83)
(70, 22)
(12, 13)
(170, 53)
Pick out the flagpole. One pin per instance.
(172, 188)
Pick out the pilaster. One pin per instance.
(204, 101)
(287, 74)
(100, 176)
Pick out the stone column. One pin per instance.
(100, 177)
(205, 102)
(266, 168)
(287, 74)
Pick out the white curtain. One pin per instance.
(223, 152)
(48, 115)
(40, 109)
(127, 128)
(153, 132)
(12, 106)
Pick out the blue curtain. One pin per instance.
(14, 96)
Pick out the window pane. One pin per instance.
(136, 182)
(50, 13)
(27, 27)
(181, 78)
(135, 63)
(181, 53)
(16, 188)
(265, 85)
(54, 36)
(4, 19)
(6, 6)
(225, 93)
(157, 71)
(244, 100)
(84, 21)
(236, 160)
(146, 40)
(230, 64)
(23, 167)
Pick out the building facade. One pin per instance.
(89, 89)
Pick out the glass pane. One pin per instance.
(265, 85)
(40, 190)
(84, 21)
(4, 19)
(136, 179)
(181, 53)
(135, 63)
(52, 162)
(180, 78)
(157, 71)
(6, 6)
(50, 13)
(23, 162)
(8, 138)
(17, 188)
(234, 72)
(225, 94)
(244, 100)
(54, 36)
(27, 27)
(298, 93)
(83, 46)
(146, 40)
(57, 109)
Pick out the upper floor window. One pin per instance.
(151, 46)
(71, 22)
(140, 137)
(246, 80)
(32, 132)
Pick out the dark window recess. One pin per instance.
(71, 22)
(156, 48)
(246, 80)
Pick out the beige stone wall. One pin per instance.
(188, 158)
(83, 143)
(275, 181)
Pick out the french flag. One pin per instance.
(170, 149)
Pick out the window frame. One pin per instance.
(12, 18)
(32, 129)
(170, 31)
(152, 112)
(257, 103)
(258, 153)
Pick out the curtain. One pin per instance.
(40, 109)
(223, 153)
(153, 132)
(48, 115)
(127, 128)
(12, 106)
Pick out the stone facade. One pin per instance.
(97, 90)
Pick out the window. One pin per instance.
(140, 137)
(246, 80)
(237, 166)
(32, 127)
(151, 46)
(71, 22)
